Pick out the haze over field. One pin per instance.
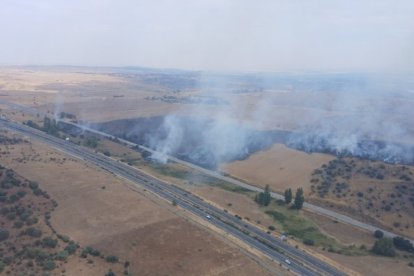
(239, 35)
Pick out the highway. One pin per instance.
(296, 260)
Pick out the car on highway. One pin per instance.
(287, 261)
(208, 216)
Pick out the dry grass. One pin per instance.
(279, 167)
(98, 209)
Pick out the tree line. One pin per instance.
(264, 198)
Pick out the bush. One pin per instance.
(384, 247)
(7, 260)
(62, 256)
(71, 247)
(11, 216)
(18, 224)
(309, 242)
(31, 221)
(49, 265)
(111, 259)
(63, 238)
(49, 242)
(403, 244)
(271, 228)
(33, 185)
(89, 250)
(21, 193)
(378, 234)
(33, 232)
(4, 234)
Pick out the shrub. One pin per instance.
(21, 193)
(8, 260)
(89, 250)
(384, 247)
(33, 232)
(111, 259)
(271, 228)
(18, 224)
(11, 216)
(63, 238)
(71, 247)
(49, 242)
(309, 242)
(31, 221)
(378, 234)
(33, 185)
(4, 234)
(49, 265)
(62, 255)
(403, 244)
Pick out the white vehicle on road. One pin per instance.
(208, 216)
(287, 261)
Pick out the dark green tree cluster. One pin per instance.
(91, 142)
(32, 124)
(384, 247)
(378, 234)
(299, 198)
(403, 244)
(50, 126)
(288, 196)
(264, 198)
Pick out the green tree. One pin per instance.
(50, 126)
(264, 198)
(288, 196)
(378, 234)
(299, 199)
(384, 247)
(403, 244)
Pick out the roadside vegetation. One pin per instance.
(29, 244)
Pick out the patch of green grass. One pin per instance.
(300, 227)
(198, 178)
(168, 171)
(225, 185)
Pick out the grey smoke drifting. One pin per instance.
(372, 121)
(346, 115)
(367, 116)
